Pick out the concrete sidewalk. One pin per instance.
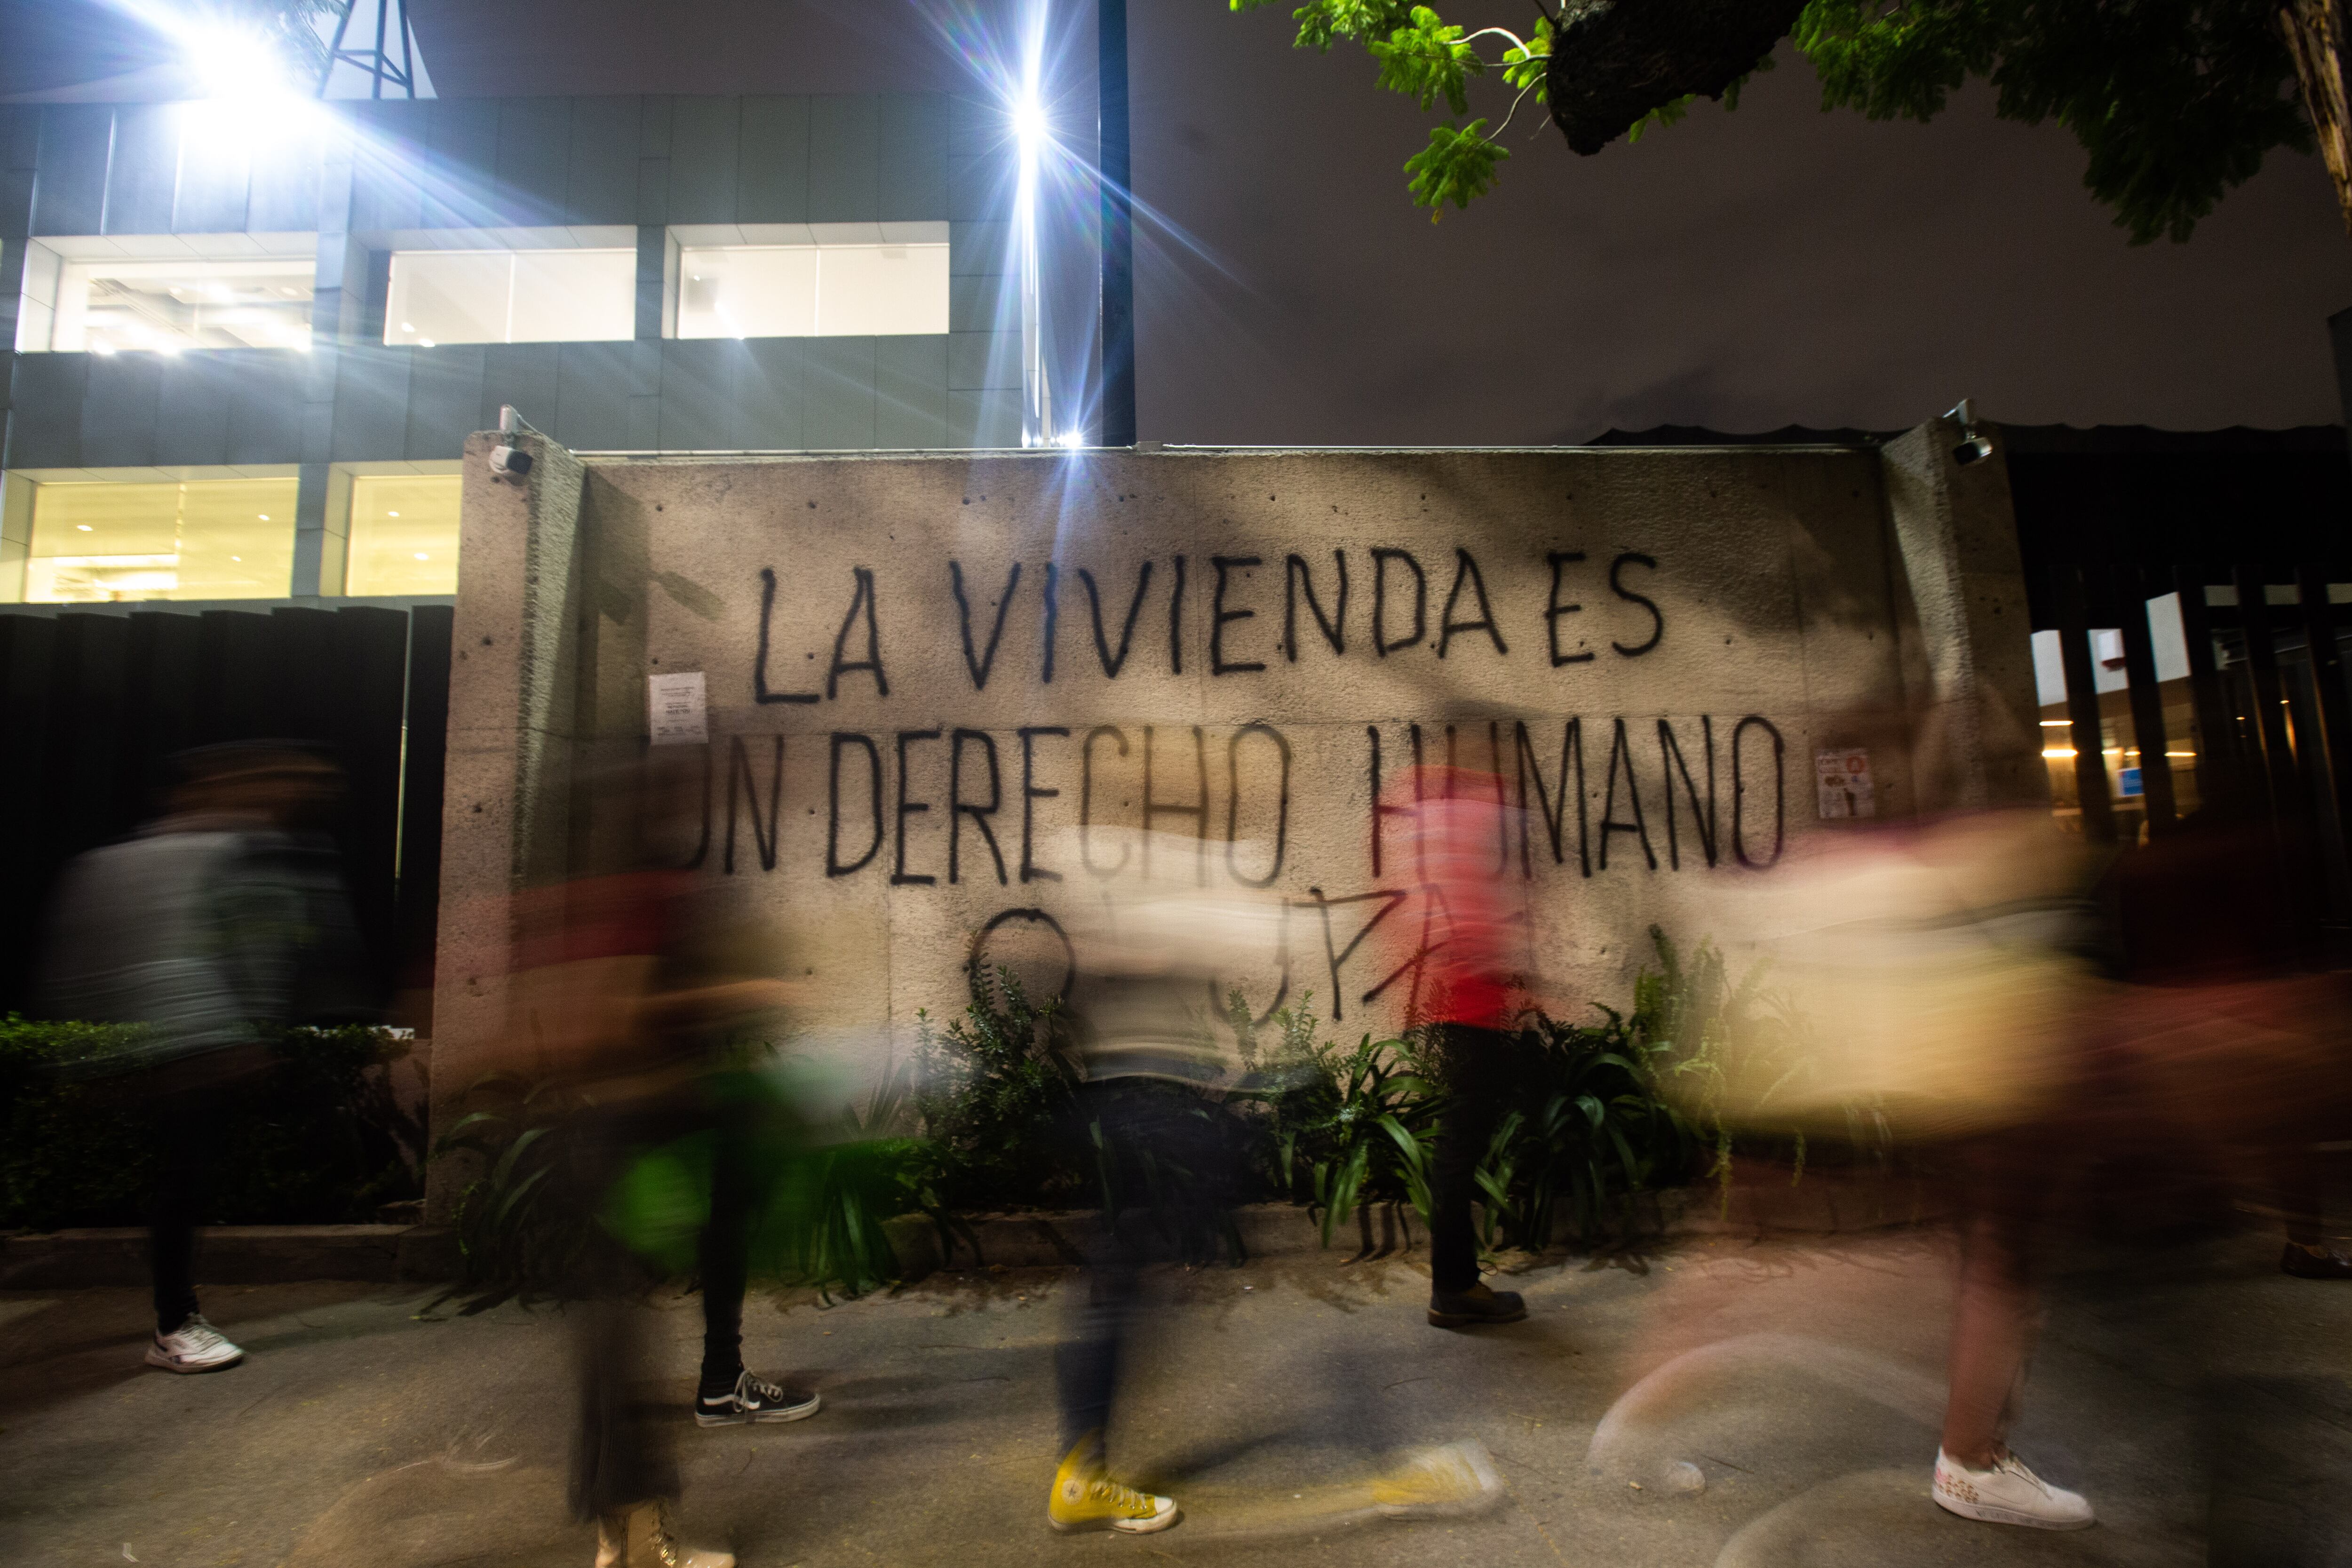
(385, 1428)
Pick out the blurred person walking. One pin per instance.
(629, 987)
(215, 926)
(1149, 1064)
(1468, 949)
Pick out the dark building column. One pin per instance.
(340, 313)
(20, 143)
(1117, 228)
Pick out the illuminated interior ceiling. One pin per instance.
(197, 305)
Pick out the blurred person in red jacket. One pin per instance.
(1466, 953)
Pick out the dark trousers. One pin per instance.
(619, 1457)
(1477, 1079)
(186, 1129)
(1170, 1158)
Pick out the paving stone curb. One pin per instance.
(1761, 1203)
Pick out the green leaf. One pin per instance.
(1671, 112)
(1425, 60)
(1456, 166)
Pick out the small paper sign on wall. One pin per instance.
(679, 717)
(1844, 780)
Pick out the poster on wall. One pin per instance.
(1844, 780)
(680, 716)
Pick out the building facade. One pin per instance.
(241, 355)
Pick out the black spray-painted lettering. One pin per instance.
(1551, 810)
(1053, 618)
(899, 875)
(1086, 798)
(1030, 795)
(959, 808)
(1670, 760)
(1621, 759)
(1554, 610)
(980, 666)
(1175, 621)
(1198, 811)
(1382, 643)
(833, 864)
(863, 599)
(1112, 664)
(1233, 804)
(759, 692)
(1220, 618)
(739, 770)
(1617, 586)
(1298, 579)
(1740, 793)
(1466, 570)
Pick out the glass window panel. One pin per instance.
(511, 297)
(404, 534)
(748, 292)
(106, 307)
(574, 296)
(448, 296)
(881, 291)
(204, 539)
(807, 290)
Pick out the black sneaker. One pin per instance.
(1478, 1304)
(752, 1400)
(2304, 1264)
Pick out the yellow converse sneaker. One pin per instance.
(1086, 1498)
(1439, 1483)
(641, 1537)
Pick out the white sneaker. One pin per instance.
(2009, 1493)
(195, 1346)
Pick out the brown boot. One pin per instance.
(640, 1537)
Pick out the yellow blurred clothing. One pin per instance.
(1937, 974)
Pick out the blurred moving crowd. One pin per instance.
(2002, 995)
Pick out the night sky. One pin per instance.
(1743, 271)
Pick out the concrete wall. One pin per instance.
(1604, 620)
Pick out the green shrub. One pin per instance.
(996, 1096)
(318, 1140)
(822, 1195)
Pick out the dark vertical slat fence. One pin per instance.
(27, 653)
(2146, 704)
(95, 705)
(368, 657)
(2276, 755)
(2217, 750)
(2083, 707)
(430, 629)
(2328, 679)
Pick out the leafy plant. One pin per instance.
(826, 1222)
(519, 1224)
(320, 1137)
(994, 1094)
(1690, 1014)
(1350, 1127)
(2174, 102)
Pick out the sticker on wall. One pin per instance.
(679, 717)
(1844, 780)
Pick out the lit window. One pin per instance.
(812, 290)
(511, 297)
(163, 294)
(202, 538)
(404, 536)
